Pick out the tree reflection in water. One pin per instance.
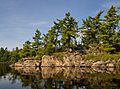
(62, 78)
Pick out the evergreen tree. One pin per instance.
(102, 32)
(92, 32)
(108, 28)
(50, 41)
(15, 55)
(67, 30)
(27, 50)
(37, 40)
(4, 55)
(2, 51)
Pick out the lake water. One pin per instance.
(58, 78)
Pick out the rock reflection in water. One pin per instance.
(64, 72)
(70, 78)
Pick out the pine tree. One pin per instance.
(15, 55)
(67, 30)
(27, 50)
(37, 40)
(50, 41)
(108, 28)
(103, 32)
(91, 32)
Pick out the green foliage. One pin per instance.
(68, 28)
(27, 50)
(40, 53)
(37, 40)
(92, 29)
(59, 55)
(4, 55)
(62, 35)
(103, 57)
(15, 55)
(50, 41)
(103, 31)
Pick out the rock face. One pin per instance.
(27, 62)
(68, 59)
(53, 61)
(75, 61)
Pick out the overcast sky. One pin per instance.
(20, 18)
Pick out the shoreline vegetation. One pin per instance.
(95, 44)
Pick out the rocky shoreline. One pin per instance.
(68, 60)
(27, 62)
(76, 61)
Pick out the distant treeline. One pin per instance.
(102, 32)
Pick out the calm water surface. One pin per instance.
(58, 78)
